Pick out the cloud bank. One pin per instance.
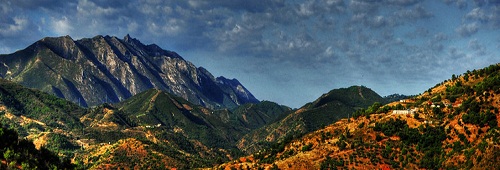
(285, 51)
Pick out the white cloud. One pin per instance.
(19, 24)
(474, 44)
(306, 9)
(132, 26)
(477, 14)
(461, 4)
(418, 12)
(358, 6)
(5, 8)
(61, 26)
(466, 30)
(5, 50)
(378, 21)
(89, 8)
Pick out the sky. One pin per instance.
(286, 51)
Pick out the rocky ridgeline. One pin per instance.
(105, 69)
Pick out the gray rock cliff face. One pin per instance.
(106, 69)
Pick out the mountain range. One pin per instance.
(152, 109)
(105, 69)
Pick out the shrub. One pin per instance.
(307, 147)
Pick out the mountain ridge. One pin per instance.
(91, 71)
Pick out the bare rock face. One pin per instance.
(106, 69)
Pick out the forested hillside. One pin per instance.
(453, 125)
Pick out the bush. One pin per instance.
(378, 137)
(361, 125)
(307, 147)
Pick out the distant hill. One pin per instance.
(327, 109)
(105, 69)
(453, 125)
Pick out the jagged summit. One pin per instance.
(127, 38)
(103, 69)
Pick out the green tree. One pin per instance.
(8, 155)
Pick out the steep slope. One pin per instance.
(48, 121)
(104, 69)
(167, 131)
(451, 126)
(36, 107)
(328, 108)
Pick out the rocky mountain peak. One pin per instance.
(127, 38)
(106, 69)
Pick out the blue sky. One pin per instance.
(289, 52)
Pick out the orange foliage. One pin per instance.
(385, 167)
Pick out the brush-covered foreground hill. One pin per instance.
(36, 128)
(451, 126)
(38, 116)
(22, 154)
(328, 108)
(105, 69)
